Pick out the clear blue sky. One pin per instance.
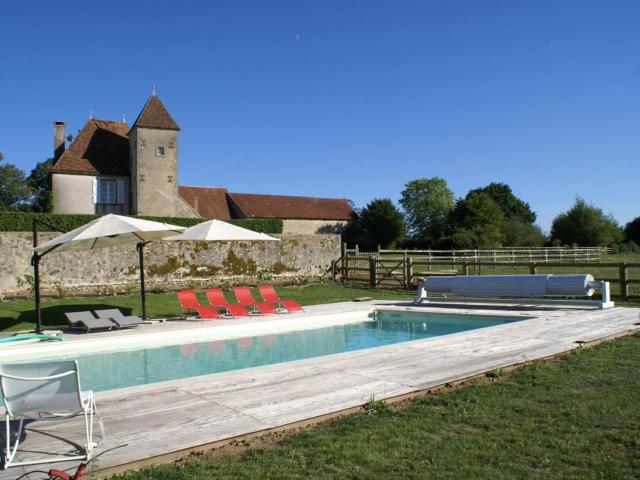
(346, 98)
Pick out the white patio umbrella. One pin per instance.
(218, 231)
(107, 231)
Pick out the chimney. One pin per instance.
(58, 140)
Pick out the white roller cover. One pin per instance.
(510, 285)
(570, 285)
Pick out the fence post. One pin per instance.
(333, 270)
(343, 259)
(495, 259)
(408, 273)
(429, 264)
(533, 268)
(465, 268)
(345, 274)
(453, 258)
(624, 286)
(373, 274)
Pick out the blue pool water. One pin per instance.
(110, 370)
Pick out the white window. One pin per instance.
(159, 150)
(107, 191)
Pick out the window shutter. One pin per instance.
(95, 190)
(121, 191)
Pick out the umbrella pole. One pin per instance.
(35, 261)
(140, 247)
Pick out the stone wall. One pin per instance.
(308, 227)
(168, 265)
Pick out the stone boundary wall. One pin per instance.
(168, 265)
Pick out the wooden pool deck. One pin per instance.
(165, 421)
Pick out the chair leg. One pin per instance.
(11, 452)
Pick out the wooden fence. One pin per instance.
(498, 255)
(403, 272)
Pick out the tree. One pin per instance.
(512, 207)
(475, 222)
(519, 234)
(14, 192)
(427, 203)
(585, 225)
(379, 223)
(632, 231)
(38, 181)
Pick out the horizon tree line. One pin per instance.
(487, 217)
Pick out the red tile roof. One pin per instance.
(101, 147)
(208, 202)
(155, 115)
(289, 207)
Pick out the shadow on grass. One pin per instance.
(53, 316)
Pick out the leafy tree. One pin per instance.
(38, 181)
(632, 231)
(512, 207)
(427, 203)
(585, 225)
(520, 234)
(475, 222)
(379, 223)
(14, 191)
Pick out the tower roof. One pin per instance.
(155, 115)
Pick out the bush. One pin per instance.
(626, 247)
(585, 225)
(23, 222)
(519, 234)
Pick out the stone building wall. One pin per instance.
(168, 265)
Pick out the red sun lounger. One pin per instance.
(189, 302)
(216, 298)
(270, 296)
(243, 294)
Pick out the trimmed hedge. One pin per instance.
(23, 222)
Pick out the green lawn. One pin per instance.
(575, 419)
(19, 314)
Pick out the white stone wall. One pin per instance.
(167, 264)
(73, 193)
(310, 227)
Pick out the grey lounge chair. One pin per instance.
(122, 321)
(87, 321)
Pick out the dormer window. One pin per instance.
(160, 150)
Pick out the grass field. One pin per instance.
(577, 418)
(19, 314)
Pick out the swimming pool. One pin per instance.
(111, 370)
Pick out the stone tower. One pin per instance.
(153, 147)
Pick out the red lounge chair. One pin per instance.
(189, 302)
(243, 294)
(216, 298)
(269, 295)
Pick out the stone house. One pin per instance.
(111, 168)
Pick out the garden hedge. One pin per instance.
(23, 222)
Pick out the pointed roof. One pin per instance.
(155, 115)
(100, 148)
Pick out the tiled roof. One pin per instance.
(288, 207)
(101, 147)
(208, 202)
(155, 115)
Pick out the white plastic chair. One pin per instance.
(45, 390)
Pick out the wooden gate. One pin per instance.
(390, 273)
